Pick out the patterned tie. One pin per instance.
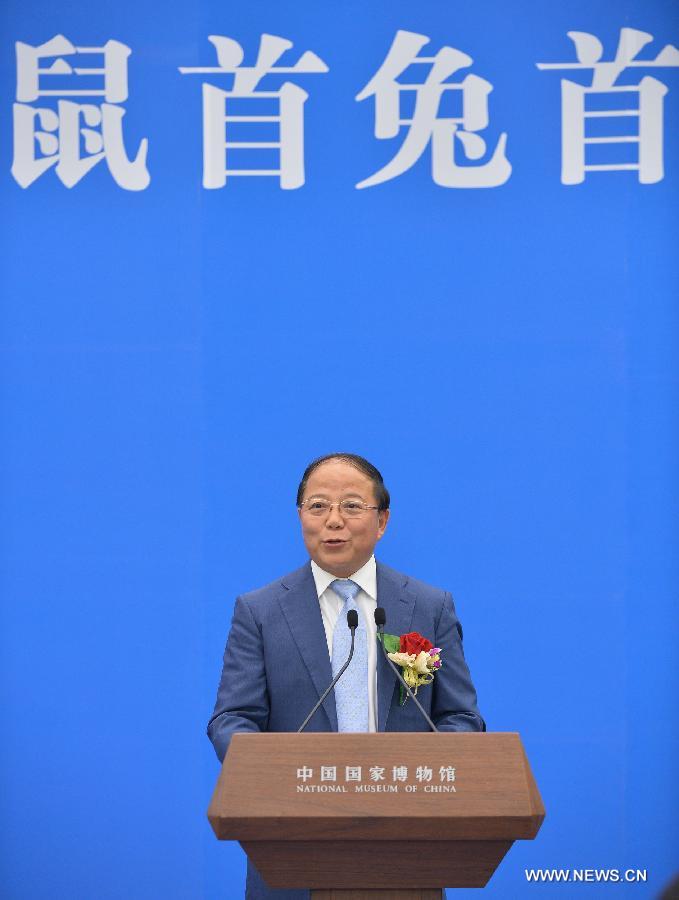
(351, 691)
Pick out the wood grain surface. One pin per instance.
(411, 839)
(256, 797)
(426, 894)
(376, 864)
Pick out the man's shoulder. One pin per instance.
(279, 586)
(409, 584)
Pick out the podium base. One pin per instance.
(389, 894)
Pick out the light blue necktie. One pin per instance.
(351, 691)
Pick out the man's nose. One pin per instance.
(335, 519)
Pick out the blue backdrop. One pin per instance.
(174, 355)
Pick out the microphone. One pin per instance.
(352, 622)
(381, 621)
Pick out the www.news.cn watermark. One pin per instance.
(587, 876)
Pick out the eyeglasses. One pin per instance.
(352, 509)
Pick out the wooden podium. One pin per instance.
(384, 816)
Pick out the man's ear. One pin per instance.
(382, 519)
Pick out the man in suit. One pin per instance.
(288, 639)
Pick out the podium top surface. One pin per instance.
(464, 786)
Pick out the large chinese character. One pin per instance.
(71, 136)
(424, 773)
(642, 107)
(448, 133)
(221, 120)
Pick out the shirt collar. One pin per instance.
(365, 578)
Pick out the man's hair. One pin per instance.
(358, 462)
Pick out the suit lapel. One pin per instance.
(399, 606)
(302, 612)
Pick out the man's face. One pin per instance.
(341, 545)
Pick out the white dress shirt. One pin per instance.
(366, 601)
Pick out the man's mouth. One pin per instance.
(334, 541)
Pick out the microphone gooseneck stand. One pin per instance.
(352, 622)
(380, 621)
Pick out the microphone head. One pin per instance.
(352, 618)
(380, 617)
